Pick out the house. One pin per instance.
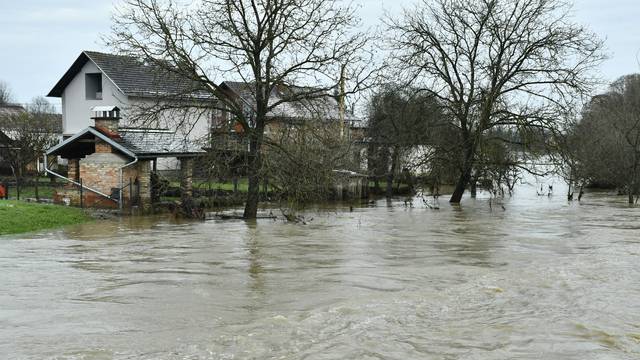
(322, 108)
(318, 107)
(11, 110)
(99, 79)
(110, 165)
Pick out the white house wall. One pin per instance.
(192, 124)
(76, 109)
(76, 112)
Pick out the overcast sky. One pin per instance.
(39, 39)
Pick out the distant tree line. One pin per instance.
(602, 148)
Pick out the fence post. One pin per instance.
(81, 195)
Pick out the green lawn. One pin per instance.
(243, 185)
(18, 217)
(45, 192)
(28, 190)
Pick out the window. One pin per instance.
(93, 86)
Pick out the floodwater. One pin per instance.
(539, 279)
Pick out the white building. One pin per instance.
(98, 79)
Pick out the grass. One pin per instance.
(45, 192)
(28, 190)
(243, 185)
(18, 217)
(383, 184)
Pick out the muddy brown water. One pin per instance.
(542, 279)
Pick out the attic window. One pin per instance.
(93, 85)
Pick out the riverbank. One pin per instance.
(18, 217)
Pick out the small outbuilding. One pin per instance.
(110, 166)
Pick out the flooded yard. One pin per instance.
(541, 279)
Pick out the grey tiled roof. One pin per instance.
(8, 110)
(133, 77)
(147, 142)
(322, 106)
(141, 143)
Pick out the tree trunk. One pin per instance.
(473, 188)
(254, 163)
(461, 185)
(465, 175)
(391, 173)
(17, 179)
(389, 190)
(581, 193)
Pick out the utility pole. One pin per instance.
(341, 101)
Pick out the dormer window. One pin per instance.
(93, 86)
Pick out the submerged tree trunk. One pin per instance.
(474, 187)
(461, 185)
(389, 189)
(392, 172)
(465, 175)
(254, 163)
(581, 193)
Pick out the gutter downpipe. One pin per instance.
(135, 160)
(46, 168)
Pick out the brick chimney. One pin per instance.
(106, 120)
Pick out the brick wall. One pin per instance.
(101, 171)
(186, 177)
(72, 172)
(140, 172)
(107, 123)
(102, 147)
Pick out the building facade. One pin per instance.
(137, 89)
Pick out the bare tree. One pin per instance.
(495, 63)
(607, 145)
(6, 96)
(302, 168)
(271, 45)
(29, 134)
(400, 124)
(566, 147)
